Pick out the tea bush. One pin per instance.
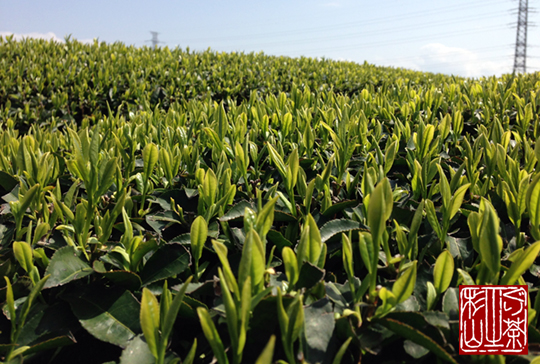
(167, 205)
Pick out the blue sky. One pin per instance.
(470, 38)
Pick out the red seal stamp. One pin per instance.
(493, 320)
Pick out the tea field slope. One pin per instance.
(164, 205)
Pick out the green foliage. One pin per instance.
(327, 211)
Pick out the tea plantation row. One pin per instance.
(196, 207)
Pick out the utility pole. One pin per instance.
(520, 54)
(154, 39)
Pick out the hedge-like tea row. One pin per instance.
(239, 208)
(44, 82)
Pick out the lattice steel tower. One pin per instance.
(520, 54)
(155, 41)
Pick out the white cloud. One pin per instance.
(37, 35)
(437, 57)
(47, 36)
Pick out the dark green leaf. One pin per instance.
(7, 181)
(335, 227)
(418, 321)
(282, 216)
(167, 261)
(137, 352)
(410, 333)
(122, 278)
(48, 328)
(66, 266)
(450, 303)
(237, 211)
(309, 276)
(278, 240)
(318, 328)
(410, 304)
(338, 207)
(414, 350)
(437, 318)
(534, 335)
(161, 220)
(109, 314)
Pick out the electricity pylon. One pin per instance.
(154, 39)
(520, 54)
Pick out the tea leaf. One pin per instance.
(347, 255)
(210, 187)
(334, 227)
(212, 335)
(66, 266)
(367, 252)
(136, 352)
(432, 218)
(443, 271)
(404, 285)
(291, 265)
(172, 312)
(444, 187)
(417, 337)
(490, 242)
(10, 301)
(466, 277)
(28, 198)
(278, 161)
(268, 352)
(380, 208)
(295, 312)
(150, 158)
(221, 251)
(23, 254)
(457, 199)
(150, 317)
(315, 241)
(521, 265)
(198, 235)
(167, 261)
(342, 350)
(265, 218)
(110, 315)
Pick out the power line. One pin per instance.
(308, 41)
(365, 43)
(370, 21)
(405, 40)
(482, 50)
(387, 30)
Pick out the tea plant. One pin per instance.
(163, 205)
